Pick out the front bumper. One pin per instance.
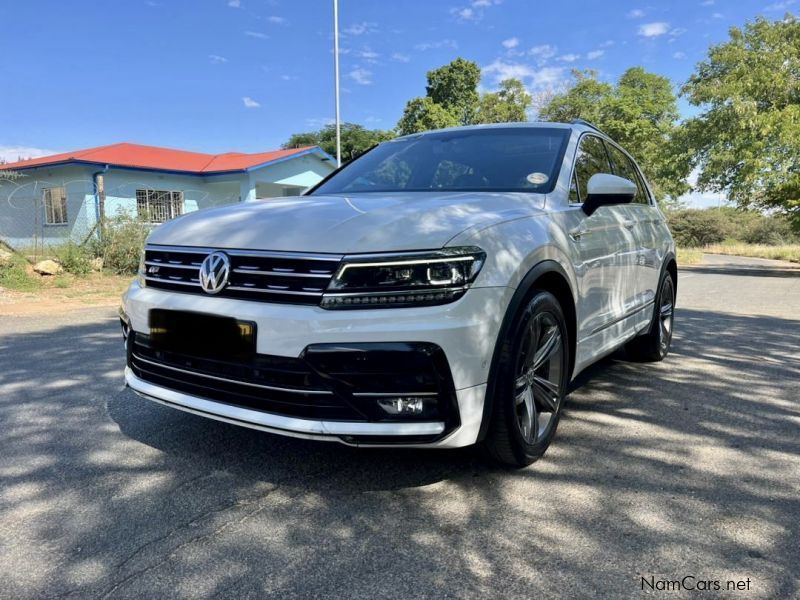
(465, 331)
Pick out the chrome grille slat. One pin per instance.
(262, 386)
(282, 274)
(281, 277)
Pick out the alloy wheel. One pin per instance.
(539, 377)
(666, 314)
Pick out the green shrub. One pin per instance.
(772, 231)
(120, 243)
(693, 228)
(74, 259)
(14, 275)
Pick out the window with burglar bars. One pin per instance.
(157, 206)
(55, 206)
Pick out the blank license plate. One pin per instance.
(200, 334)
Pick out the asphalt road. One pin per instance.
(687, 467)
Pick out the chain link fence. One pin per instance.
(37, 215)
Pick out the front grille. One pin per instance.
(285, 386)
(283, 277)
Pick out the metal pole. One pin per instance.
(336, 77)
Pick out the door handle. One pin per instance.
(628, 224)
(577, 234)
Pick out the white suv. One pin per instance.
(439, 291)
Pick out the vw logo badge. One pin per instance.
(214, 272)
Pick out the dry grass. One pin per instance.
(44, 295)
(689, 256)
(789, 252)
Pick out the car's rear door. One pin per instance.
(645, 218)
(604, 244)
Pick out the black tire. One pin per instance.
(531, 379)
(654, 345)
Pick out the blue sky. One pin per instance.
(242, 75)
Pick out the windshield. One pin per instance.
(519, 159)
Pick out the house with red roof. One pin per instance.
(56, 198)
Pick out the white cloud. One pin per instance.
(677, 31)
(250, 103)
(636, 13)
(547, 77)
(464, 14)
(276, 20)
(653, 29)
(399, 57)
(607, 44)
(216, 59)
(15, 153)
(569, 57)
(362, 28)
(707, 3)
(474, 11)
(531, 77)
(510, 43)
(289, 77)
(234, 3)
(446, 43)
(717, 15)
(368, 55)
(361, 76)
(777, 6)
(542, 53)
(256, 34)
(679, 55)
(595, 54)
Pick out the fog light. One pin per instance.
(402, 406)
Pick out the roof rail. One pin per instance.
(587, 124)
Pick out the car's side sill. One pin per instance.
(627, 315)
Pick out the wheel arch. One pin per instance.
(547, 275)
(671, 265)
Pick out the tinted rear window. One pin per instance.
(522, 159)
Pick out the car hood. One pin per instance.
(369, 222)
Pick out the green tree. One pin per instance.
(746, 140)
(422, 114)
(640, 113)
(355, 139)
(507, 105)
(454, 86)
(452, 99)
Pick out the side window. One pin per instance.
(624, 167)
(573, 190)
(55, 206)
(590, 160)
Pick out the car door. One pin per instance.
(604, 245)
(645, 217)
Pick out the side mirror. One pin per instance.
(606, 189)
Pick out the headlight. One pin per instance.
(407, 279)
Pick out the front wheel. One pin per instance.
(532, 377)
